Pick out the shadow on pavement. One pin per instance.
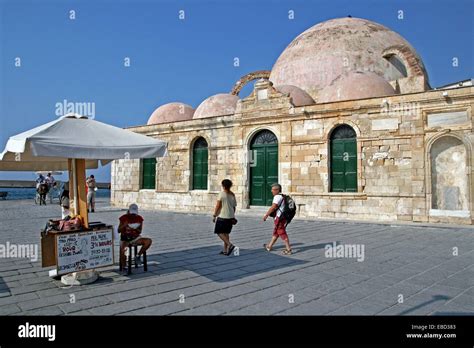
(421, 305)
(4, 289)
(206, 261)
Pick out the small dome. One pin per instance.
(356, 85)
(217, 105)
(297, 95)
(171, 112)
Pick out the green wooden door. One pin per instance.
(149, 173)
(271, 171)
(200, 165)
(344, 161)
(264, 168)
(257, 177)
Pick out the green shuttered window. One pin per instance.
(200, 164)
(149, 173)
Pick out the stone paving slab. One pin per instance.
(187, 276)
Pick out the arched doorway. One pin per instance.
(263, 168)
(200, 164)
(343, 164)
(449, 182)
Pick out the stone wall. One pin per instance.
(394, 139)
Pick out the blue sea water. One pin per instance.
(30, 193)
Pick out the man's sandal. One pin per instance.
(287, 252)
(266, 247)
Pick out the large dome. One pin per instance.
(217, 105)
(318, 56)
(171, 112)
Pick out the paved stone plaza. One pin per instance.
(186, 276)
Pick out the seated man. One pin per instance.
(130, 228)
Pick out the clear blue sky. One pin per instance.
(187, 60)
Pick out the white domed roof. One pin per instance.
(318, 56)
(171, 112)
(356, 85)
(217, 105)
(297, 95)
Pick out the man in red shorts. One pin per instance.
(276, 210)
(130, 228)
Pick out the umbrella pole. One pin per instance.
(77, 185)
(77, 179)
(74, 182)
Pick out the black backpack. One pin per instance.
(289, 210)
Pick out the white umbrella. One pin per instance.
(74, 136)
(76, 143)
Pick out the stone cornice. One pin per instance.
(311, 112)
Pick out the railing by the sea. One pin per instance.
(32, 184)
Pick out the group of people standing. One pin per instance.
(45, 187)
(48, 180)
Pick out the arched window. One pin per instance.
(264, 137)
(200, 164)
(397, 63)
(343, 164)
(148, 173)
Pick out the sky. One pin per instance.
(81, 56)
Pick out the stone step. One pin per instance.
(253, 211)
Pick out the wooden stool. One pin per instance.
(131, 260)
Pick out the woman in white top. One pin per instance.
(224, 216)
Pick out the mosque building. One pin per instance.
(346, 122)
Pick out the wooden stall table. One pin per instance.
(72, 252)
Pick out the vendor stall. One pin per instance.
(72, 251)
(76, 143)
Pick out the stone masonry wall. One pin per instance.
(394, 137)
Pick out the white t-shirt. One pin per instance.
(276, 200)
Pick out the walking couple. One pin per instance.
(224, 218)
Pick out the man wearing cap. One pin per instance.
(130, 228)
